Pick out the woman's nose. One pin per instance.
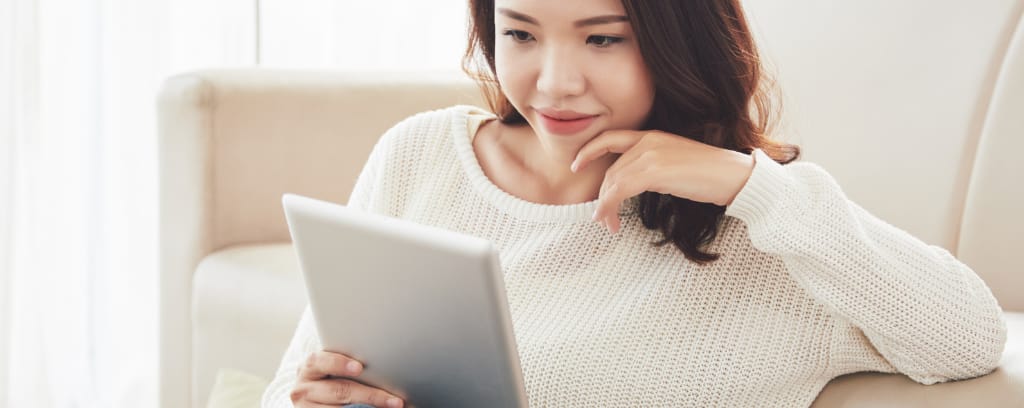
(560, 76)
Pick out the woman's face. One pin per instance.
(571, 67)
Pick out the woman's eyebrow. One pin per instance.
(598, 20)
(515, 15)
(611, 18)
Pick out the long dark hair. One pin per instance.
(709, 87)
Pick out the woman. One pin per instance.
(621, 126)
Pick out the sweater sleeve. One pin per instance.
(929, 315)
(306, 340)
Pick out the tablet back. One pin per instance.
(422, 307)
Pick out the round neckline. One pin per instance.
(464, 129)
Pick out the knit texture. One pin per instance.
(809, 286)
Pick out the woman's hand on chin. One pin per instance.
(663, 163)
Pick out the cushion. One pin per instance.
(236, 389)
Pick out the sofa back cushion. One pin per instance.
(992, 235)
(331, 119)
(889, 96)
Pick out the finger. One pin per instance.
(628, 169)
(613, 141)
(345, 391)
(612, 220)
(321, 364)
(300, 396)
(627, 183)
(310, 404)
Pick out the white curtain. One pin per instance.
(78, 82)
(360, 35)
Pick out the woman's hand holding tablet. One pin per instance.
(327, 379)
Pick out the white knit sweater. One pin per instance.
(809, 286)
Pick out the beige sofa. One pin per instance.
(932, 145)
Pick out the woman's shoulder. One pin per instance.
(436, 122)
(426, 136)
(428, 130)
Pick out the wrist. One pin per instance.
(741, 166)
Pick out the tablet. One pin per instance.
(423, 308)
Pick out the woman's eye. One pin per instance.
(518, 35)
(602, 41)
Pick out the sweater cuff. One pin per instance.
(769, 183)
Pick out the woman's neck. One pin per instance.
(513, 158)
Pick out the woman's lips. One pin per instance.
(565, 127)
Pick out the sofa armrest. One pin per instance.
(870, 390)
(184, 128)
(1003, 387)
(232, 141)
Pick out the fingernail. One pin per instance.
(395, 403)
(594, 216)
(573, 167)
(353, 367)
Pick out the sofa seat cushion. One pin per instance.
(1013, 356)
(247, 301)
